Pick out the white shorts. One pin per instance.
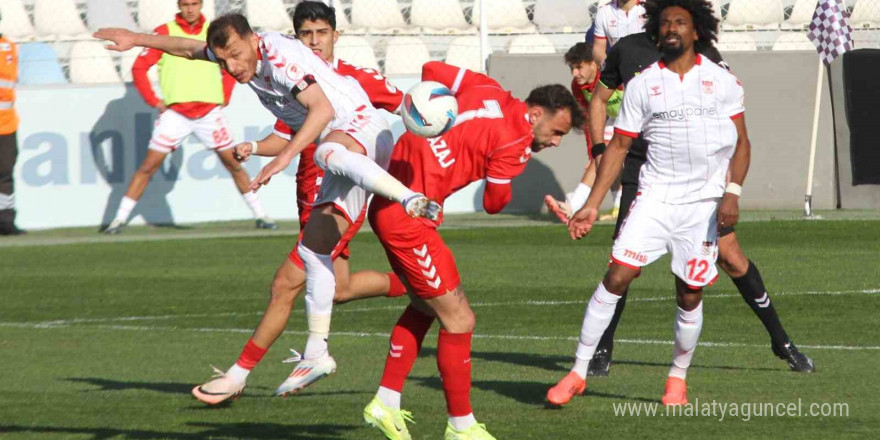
(370, 129)
(688, 231)
(172, 128)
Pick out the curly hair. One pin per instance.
(705, 22)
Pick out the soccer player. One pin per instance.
(493, 138)
(613, 21)
(691, 113)
(315, 25)
(625, 60)
(355, 146)
(585, 76)
(192, 94)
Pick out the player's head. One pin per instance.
(553, 112)
(580, 60)
(190, 10)
(680, 26)
(315, 25)
(235, 45)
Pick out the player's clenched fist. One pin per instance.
(123, 39)
(242, 152)
(582, 223)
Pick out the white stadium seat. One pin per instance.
(562, 16)
(735, 42)
(109, 13)
(405, 56)
(58, 20)
(866, 14)
(866, 39)
(801, 15)
(751, 15)
(269, 15)
(531, 44)
(504, 17)
(380, 17)
(209, 10)
(439, 17)
(356, 51)
(465, 52)
(154, 13)
(15, 22)
(90, 63)
(793, 41)
(342, 24)
(127, 61)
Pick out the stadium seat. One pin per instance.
(269, 15)
(866, 14)
(356, 51)
(209, 10)
(793, 41)
(127, 61)
(405, 56)
(562, 16)
(154, 13)
(465, 52)
(15, 22)
(439, 17)
(801, 15)
(38, 65)
(90, 63)
(504, 17)
(735, 42)
(380, 17)
(750, 15)
(866, 39)
(108, 13)
(532, 43)
(58, 20)
(342, 24)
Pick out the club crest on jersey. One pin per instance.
(708, 87)
(295, 73)
(655, 90)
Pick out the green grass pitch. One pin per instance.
(105, 340)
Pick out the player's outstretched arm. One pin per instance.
(270, 146)
(582, 222)
(728, 210)
(124, 39)
(598, 115)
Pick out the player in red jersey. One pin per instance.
(315, 26)
(493, 138)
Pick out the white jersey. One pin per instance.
(688, 125)
(613, 23)
(285, 67)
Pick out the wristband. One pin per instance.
(734, 189)
(254, 147)
(597, 150)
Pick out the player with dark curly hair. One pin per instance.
(705, 22)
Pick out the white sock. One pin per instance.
(688, 325)
(598, 315)
(335, 158)
(253, 200)
(125, 207)
(320, 287)
(616, 195)
(389, 397)
(237, 373)
(463, 422)
(578, 197)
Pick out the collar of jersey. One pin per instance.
(697, 62)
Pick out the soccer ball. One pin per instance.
(429, 109)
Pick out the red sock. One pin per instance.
(397, 288)
(406, 340)
(454, 363)
(250, 355)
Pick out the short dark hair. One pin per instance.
(218, 31)
(705, 22)
(579, 53)
(556, 97)
(313, 11)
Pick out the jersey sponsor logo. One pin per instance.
(707, 248)
(441, 151)
(685, 113)
(708, 87)
(638, 256)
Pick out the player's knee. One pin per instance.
(617, 281)
(233, 167)
(733, 261)
(284, 289)
(325, 151)
(342, 295)
(147, 169)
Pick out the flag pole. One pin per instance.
(808, 198)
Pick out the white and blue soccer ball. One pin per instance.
(429, 109)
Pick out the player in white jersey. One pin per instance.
(355, 145)
(690, 112)
(613, 21)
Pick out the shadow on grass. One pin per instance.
(258, 431)
(118, 385)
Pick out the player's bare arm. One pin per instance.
(599, 47)
(598, 115)
(270, 146)
(124, 39)
(582, 222)
(320, 113)
(728, 209)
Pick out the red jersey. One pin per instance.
(580, 92)
(491, 140)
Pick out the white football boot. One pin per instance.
(306, 372)
(219, 389)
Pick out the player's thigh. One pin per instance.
(453, 310)
(170, 129)
(339, 191)
(731, 257)
(325, 228)
(213, 131)
(368, 133)
(644, 235)
(695, 244)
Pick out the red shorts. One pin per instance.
(341, 248)
(415, 250)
